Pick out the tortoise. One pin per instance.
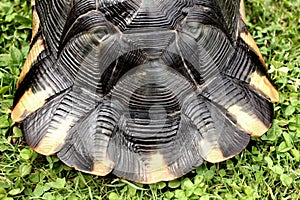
(144, 89)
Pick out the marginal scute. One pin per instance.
(102, 168)
(246, 36)
(253, 46)
(250, 124)
(157, 169)
(242, 11)
(215, 156)
(54, 138)
(32, 56)
(29, 103)
(144, 89)
(35, 23)
(262, 84)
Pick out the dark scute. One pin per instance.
(230, 12)
(231, 140)
(119, 67)
(243, 63)
(78, 8)
(41, 76)
(83, 25)
(152, 124)
(215, 131)
(134, 14)
(53, 15)
(179, 151)
(78, 149)
(36, 125)
(207, 49)
(188, 148)
(227, 92)
(240, 65)
(140, 108)
(209, 13)
(75, 153)
(175, 61)
(87, 141)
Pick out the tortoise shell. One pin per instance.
(144, 89)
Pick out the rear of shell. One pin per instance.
(144, 89)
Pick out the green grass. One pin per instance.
(267, 169)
